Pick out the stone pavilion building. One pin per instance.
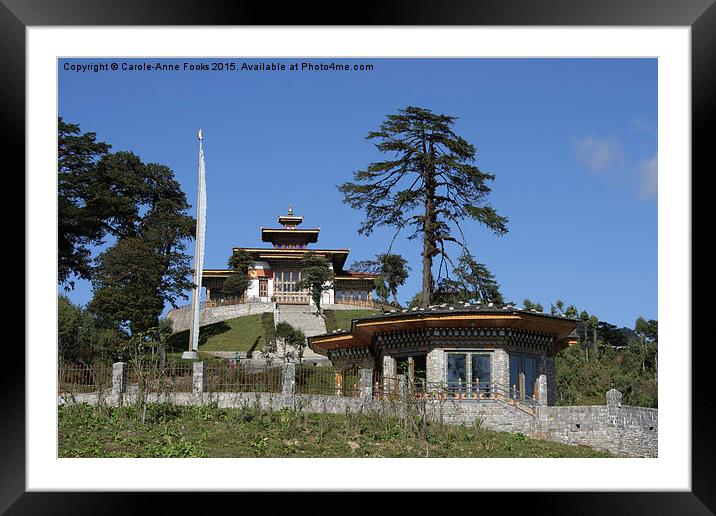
(472, 351)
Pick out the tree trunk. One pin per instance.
(429, 246)
(427, 290)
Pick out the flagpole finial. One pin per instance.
(200, 135)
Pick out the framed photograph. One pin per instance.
(566, 136)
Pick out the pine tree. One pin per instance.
(428, 184)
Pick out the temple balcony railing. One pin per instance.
(369, 303)
(293, 298)
(225, 301)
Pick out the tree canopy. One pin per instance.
(80, 221)
(428, 184)
(236, 284)
(473, 283)
(142, 207)
(392, 270)
(317, 277)
(81, 337)
(292, 337)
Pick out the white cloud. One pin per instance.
(603, 156)
(598, 153)
(648, 178)
(643, 126)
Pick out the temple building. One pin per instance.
(469, 351)
(276, 272)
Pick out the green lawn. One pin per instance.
(245, 333)
(208, 431)
(341, 319)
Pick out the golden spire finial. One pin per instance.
(290, 210)
(200, 135)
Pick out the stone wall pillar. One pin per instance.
(289, 384)
(198, 381)
(435, 365)
(389, 370)
(388, 367)
(542, 389)
(119, 378)
(501, 367)
(402, 387)
(614, 402)
(365, 383)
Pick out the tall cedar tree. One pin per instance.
(429, 184)
(148, 266)
(79, 218)
(392, 269)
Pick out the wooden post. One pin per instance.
(522, 386)
(338, 382)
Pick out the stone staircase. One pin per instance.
(304, 318)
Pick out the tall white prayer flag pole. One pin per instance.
(198, 256)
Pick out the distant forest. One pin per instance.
(609, 357)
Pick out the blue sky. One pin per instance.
(572, 143)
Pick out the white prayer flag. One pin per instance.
(199, 248)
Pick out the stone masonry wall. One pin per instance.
(623, 430)
(612, 427)
(181, 317)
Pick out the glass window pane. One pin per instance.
(529, 364)
(456, 365)
(481, 368)
(515, 368)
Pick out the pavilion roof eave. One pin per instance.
(297, 251)
(363, 329)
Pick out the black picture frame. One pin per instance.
(699, 15)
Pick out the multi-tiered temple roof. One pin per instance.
(290, 245)
(289, 236)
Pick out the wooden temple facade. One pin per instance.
(276, 271)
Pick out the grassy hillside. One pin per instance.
(206, 431)
(247, 333)
(341, 319)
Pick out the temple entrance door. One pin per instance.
(286, 288)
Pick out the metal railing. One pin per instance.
(76, 378)
(327, 381)
(224, 302)
(153, 377)
(233, 377)
(384, 387)
(389, 388)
